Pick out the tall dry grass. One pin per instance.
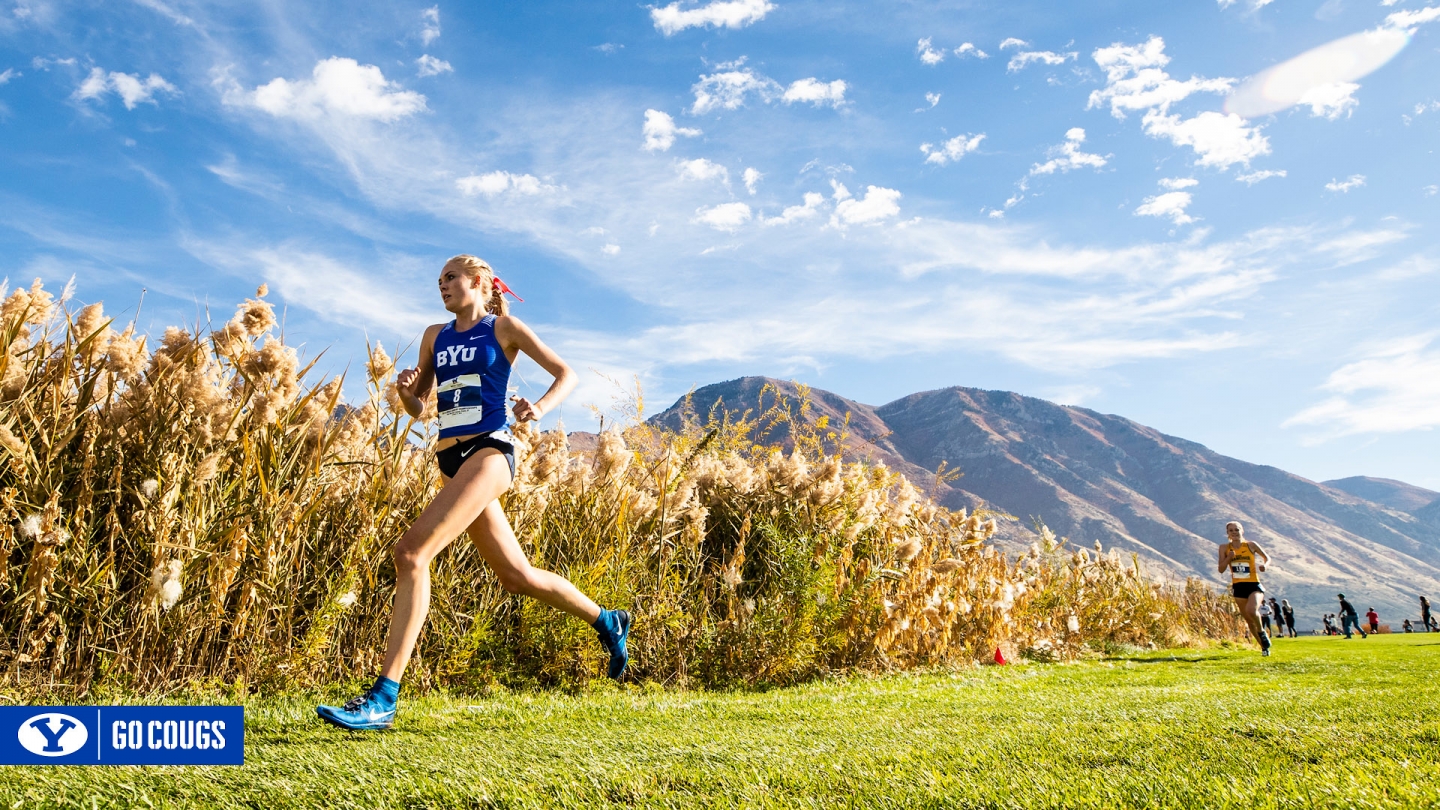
(198, 508)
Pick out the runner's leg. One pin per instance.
(1248, 607)
(495, 540)
(477, 484)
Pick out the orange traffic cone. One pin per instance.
(1000, 657)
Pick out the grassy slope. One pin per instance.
(1323, 722)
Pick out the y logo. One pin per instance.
(53, 734)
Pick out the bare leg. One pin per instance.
(495, 540)
(477, 484)
(1248, 607)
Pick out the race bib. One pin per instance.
(1240, 569)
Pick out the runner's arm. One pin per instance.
(513, 333)
(1224, 558)
(1259, 555)
(414, 384)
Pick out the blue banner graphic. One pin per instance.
(122, 735)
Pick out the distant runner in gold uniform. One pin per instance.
(1245, 560)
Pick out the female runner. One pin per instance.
(471, 358)
(1246, 560)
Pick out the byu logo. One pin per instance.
(53, 734)
(455, 355)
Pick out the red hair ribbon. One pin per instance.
(505, 288)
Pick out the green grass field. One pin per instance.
(1324, 722)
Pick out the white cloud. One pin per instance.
(1252, 5)
(1135, 80)
(1067, 156)
(877, 204)
(727, 90)
(500, 182)
(1410, 19)
(1330, 101)
(702, 169)
(724, 217)
(953, 149)
(1431, 191)
(816, 92)
(339, 87)
(610, 250)
(1171, 204)
(333, 290)
(608, 48)
(1025, 58)
(1344, 186)
(430, 25)
(8, 75)
(969, 49)
(752, 179)
(1219, 140)
(933, 98)
(132, 90)
(671, 19)
(1251, 178)
(928, 54)
(1012, 42)
(41, 63)
(1393, 388)
(795, 213)
(430, 66)
(660, 131)
(1177, 183)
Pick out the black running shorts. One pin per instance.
(451, 458)
(1242, 590)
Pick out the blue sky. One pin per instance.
(1098, 203)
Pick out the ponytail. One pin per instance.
(476, 267)
(497, 305)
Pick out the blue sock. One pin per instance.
(387, 690)
(605, 621)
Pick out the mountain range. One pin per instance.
(1091, 476)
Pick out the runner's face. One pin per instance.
(457, 290)
(1233, 532)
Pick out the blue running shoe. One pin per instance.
(613, 627)
(373, 710)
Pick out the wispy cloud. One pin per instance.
(1171, 204)
(132, 89)
(1251, 178)
(1344, 186)
(1068, 156)
(1026, 58)
(672, 19)
(728, 89)
(430, 25)
(951, 150)
(430, 66)
(1393, 387)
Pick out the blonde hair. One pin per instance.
(476, 267)
(1237, 526)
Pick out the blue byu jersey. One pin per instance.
(471, 375)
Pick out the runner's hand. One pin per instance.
(407, 379)
(526, 411)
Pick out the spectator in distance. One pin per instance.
(1350, 619)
